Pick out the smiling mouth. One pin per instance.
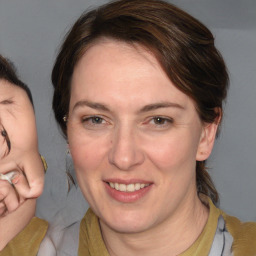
(127, 188)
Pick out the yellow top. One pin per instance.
(202, 245)
(27, 242)
(91, 242)
(244, 235)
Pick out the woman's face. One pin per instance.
(134, 138)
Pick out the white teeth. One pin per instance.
(116, 186)
(137, 186)
(122, 187)
(129, 187)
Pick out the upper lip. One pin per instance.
(128, 181)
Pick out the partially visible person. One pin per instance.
(21, 167)
(18, 134)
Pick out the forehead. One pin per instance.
(8, 90)
(108, 53)
(112, 69)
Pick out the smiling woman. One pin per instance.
(140, 85)
(151, 144)
(138, 92)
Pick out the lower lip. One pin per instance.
(127, 197)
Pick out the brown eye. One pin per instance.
(159, 120)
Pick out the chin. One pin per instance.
(128, 222)
(127, 227)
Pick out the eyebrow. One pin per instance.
(146, 108)
(6, 102)
(90, 104)
(155, 106)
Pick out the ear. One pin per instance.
(207, 138)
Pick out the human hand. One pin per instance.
(18, 141)
(9, 198)
(16, 168)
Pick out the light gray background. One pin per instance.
(30, 33)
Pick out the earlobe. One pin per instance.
(208, 136)
(207, 139)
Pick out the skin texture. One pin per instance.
(15, 221)
(127, 122)
(17, 120)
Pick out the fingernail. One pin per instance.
(14, 176)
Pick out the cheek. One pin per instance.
(87, 153)
(172, 152)
(87, 159)
(84, 158)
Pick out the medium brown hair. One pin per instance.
(183, 46)
(8, 73)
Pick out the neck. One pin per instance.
(164, 238)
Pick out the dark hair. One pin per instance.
(8, 73)
(183, 46)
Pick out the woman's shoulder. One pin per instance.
(90, 239)
(243, 233)
(28, 241)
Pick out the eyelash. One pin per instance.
(93, 120)
(158, 121)
(162, 121)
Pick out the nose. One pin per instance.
(125, 152)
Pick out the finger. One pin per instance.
(34, 171)
(8, 165)
(14, 176)
(3, 209)
(8, 196)
(21, 185)
(11, 201)
(9, 176)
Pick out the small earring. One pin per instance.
(65, 118)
